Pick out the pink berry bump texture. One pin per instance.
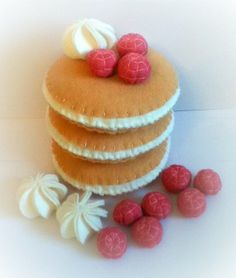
(134, 68)
(132, 43)
(126, 212)
(102, 62)
(112, 242)
(176, 178)
(156, 204)
(147, 231)
(208, 182)
(191, 202)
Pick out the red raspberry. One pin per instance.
(126, 212)
(102, 62)
(111, 242)
(156, 204)
(176, 178)
(134, 68)
(147, 231)
(132, 43)
(191, 202)
(207, 181)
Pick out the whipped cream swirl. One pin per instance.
(41, 195)
(87, 35)
(80, 217)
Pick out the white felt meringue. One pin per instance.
(79, 217)
(87, 35)
(40, 195)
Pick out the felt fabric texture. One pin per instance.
(92, 173)
(71, 85)
(91, 140)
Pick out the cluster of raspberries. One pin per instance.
(144, 219)
(129, 59)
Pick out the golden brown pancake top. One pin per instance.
(71, 84)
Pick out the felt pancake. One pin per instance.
(107, 147)
(109, 103)
(110, 178)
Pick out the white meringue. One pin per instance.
(79, 217)
(40, 195)
(86, 35)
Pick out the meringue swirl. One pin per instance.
(40, 195)
(79, 217)
(87, 35)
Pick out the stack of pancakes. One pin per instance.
(109, 137)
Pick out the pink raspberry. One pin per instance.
(126, 212)
(156, 204)
(102, 62)
(111, 242)
(191, 202)
(147, 231)
(176, 178)
(208, 182)
(132, 43)
(134, 68)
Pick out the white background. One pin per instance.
(199, 38)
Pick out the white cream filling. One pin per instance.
(116, 189)
(112, 124)
(102, 155)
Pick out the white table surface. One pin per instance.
(202, 247)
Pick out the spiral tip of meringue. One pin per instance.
(86, 35)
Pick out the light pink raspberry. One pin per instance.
(147, 231)
(132, 43)
(134, 68)
(126, 212)
(112, 242)
(208, 182)
(156, 204)
(102, 62)
(191, 202)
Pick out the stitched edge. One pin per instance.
(113, 124)
(117, 189)
(106, 156)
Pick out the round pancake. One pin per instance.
(107, 147)
(109, 103)
(110, 178)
